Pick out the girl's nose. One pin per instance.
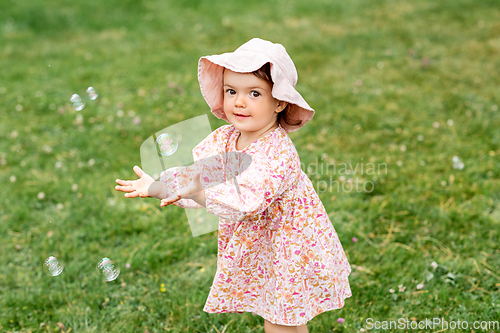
(239, 101)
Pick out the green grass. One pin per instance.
(362, 66)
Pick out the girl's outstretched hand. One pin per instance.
(138, 187)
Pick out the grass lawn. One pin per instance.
(405, 85)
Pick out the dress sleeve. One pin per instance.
(270, 173)
(176, 178)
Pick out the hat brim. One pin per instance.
(211, 79)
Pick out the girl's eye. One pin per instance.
(230, 91)
(255, 94)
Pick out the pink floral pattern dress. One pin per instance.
(278, 253)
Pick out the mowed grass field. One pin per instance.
(399, 89)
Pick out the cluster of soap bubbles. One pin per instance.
(166, 145)
(53, 267)
(457, 163)
(77, 101)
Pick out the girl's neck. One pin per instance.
(247, 138)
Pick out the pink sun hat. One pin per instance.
(248, 58)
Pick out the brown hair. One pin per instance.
(265, 73)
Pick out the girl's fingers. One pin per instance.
(138, 171)
(124, 182)
(131, 195)
(167, 202)
(125, 188)
(171, 199)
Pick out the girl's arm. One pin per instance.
(256, 188)
(193, 193)
(146, 186)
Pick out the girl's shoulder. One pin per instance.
(214, 143)
(280, 142)
(279, 148)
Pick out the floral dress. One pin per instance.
(278, 253)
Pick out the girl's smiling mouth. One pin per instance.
(240, 116)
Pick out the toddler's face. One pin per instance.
(248, 102)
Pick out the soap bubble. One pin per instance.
(52, 266)
(77, 102)
(92, 93)
(166, 145)
(108, 269)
